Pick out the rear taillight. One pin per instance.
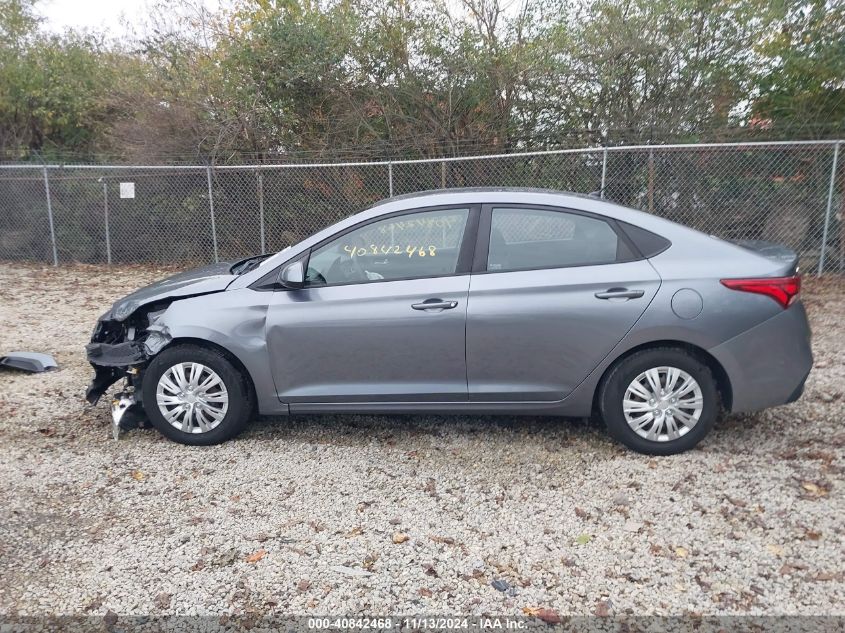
(784, 290)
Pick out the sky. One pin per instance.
(110, 16)
(98, 15)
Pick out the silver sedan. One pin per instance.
(493, 301)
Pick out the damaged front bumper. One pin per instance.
(129, 335)
(124, 359)
(114, 359)
(116, 355)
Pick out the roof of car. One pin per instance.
(434, 192)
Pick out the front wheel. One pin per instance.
(196, 396)
(659, 401)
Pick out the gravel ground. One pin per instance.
(387, 515)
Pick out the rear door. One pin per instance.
(552, 292)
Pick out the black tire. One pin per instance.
(240, 405)
(615, 384)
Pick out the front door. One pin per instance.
(382, 317)
(557, 291)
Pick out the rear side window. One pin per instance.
(649, 244)
(524, 239)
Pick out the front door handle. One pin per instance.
(620, 293)
(435, 304)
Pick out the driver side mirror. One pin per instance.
(293, 275)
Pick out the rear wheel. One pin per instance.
(659, 401)
(196, 396)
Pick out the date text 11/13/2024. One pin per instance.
(420, 623)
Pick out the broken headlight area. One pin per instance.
(121, 350)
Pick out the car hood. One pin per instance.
(200, 281)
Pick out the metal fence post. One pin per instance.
(261, 209)
(390, 177)
(829, 206)
(211, 210)
(50, 218)
(651, 181)
(443, 175)
(603, 172)
(106, 217)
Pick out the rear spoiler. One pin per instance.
(779, 253)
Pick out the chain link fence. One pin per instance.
(787, 192)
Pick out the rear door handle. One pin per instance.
(435, 304)
(620, 293)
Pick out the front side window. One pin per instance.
(524, 239)
(423, 244)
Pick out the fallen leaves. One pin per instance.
(739, 503)
(445, 540)
(815, 489)
(162, 601)
(583, 539)
(681, 552)
(790, 568)
(95, 604)
(370, 561)
(548, 616)
(351, 571)
(226, 558)
(776, 550)
(256, 556)
(430, 487)
(400, 537)
(137, 475)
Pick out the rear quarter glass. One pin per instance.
(649, 244)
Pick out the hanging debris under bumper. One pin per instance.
(126, 414)
(110, 362)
